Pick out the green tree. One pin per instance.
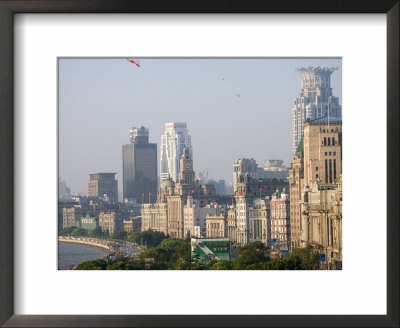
(148, 238)
(66, 231)
(119, 234)
(79, 232)
(300, 259)
(134, 236)
(98, 264)
(96, 233)
(120, 265)
(255, 253)
(222, 265)
(184, 255)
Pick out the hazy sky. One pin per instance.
(101, 99)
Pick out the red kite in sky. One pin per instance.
(133, 61)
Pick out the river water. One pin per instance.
(73, 254)
(70, 255)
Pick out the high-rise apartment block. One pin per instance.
(315, 101)
(175, 138)
(103, 185)
(139, 160)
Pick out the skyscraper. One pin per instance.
(316, 100)
(173, 141)
(139, 160)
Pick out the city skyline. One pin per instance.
(225, 103)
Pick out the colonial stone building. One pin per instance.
(154, 217)
(195, 216)
(259, 220)
(132, 224)
(172, 198)
(71, 215)
(322, 220)
(296, 181)
(316, 189)
(249, 189)
(232, 226)
(111, 221)
(217, 226)
(322, 150)
(280, 218)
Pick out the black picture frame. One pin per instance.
(10, 7)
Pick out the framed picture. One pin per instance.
(31, 91)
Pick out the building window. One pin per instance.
(334, 169)
(324, 141)
(326, 171)
(316, 168)
(329, 141)
(333, 141)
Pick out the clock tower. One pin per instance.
(186, 173)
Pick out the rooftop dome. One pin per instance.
(169, 183)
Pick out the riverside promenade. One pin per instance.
(87, 241)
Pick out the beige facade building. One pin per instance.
(71, 215)
(296, 181)
(154, 217)
(173, 197)
(110, 221)
(259, 220)
(322, 150)
(247, 190)
(232, 226)
(280, 218)
(316, 189)
(195, 216)
(132, 224)
(322, 219)
(217, 226)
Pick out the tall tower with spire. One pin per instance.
(315, 101)
(186, 173)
